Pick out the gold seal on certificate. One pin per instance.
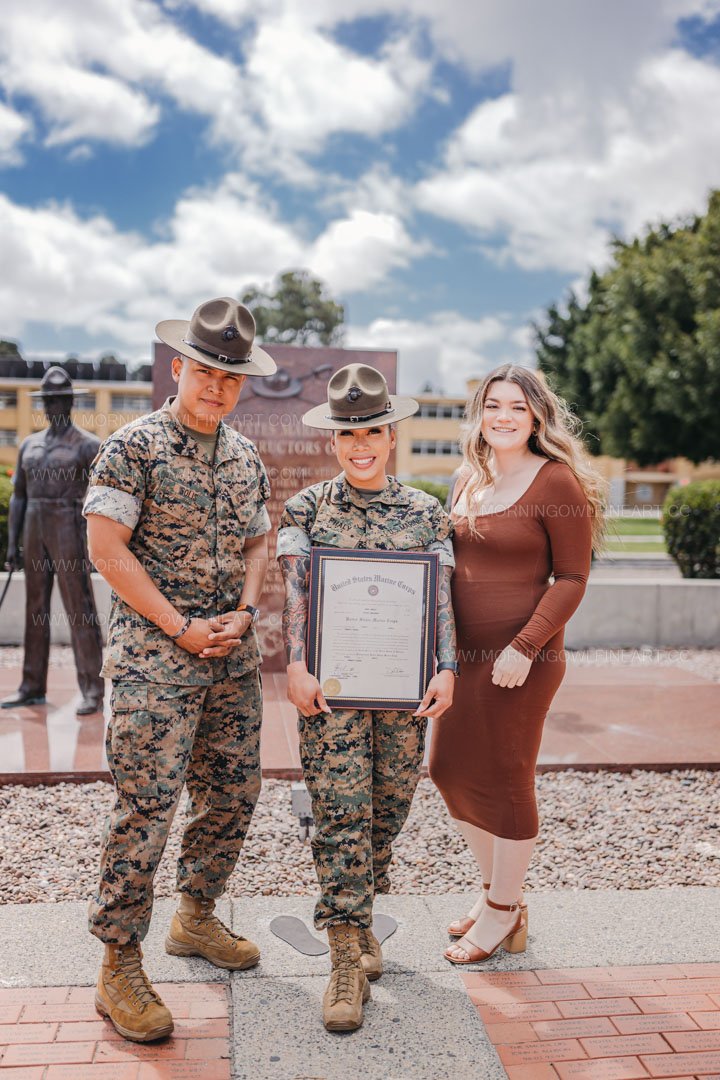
(371, 627)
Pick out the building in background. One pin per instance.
(427, 443)
(108, 403)
(427, 449)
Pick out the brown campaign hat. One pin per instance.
(358, 397)
(221, 334)
(57, 383)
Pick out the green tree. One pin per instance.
(6, 490)
(639, 360)
(10, 350)
(299, 311)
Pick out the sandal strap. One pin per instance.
(503, 907)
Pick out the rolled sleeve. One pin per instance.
(259, 524)
(112, 503)
(293, 541)
(444, 549)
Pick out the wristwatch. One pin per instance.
(253, 612)
(449, 665)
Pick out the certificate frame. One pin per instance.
(361, 562)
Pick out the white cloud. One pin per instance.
(446, 348)
(552, 193)
(98, 69)
(13, 129)
(306, 86)
(357, 252)
(74, 272)
(101, 70)
(64, 269)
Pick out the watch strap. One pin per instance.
(449, 665)
(253, 612)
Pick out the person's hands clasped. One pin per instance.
(226, 633)
(196, 637)
(216, 636)
(438, 696)
(304, 690)
(511, 668)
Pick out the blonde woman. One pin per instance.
(528, 506)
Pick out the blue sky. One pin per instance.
(448, 170)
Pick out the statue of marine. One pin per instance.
(50, 484)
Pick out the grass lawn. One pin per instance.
(657, 546)
(634, 526)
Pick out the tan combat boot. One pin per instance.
(125, 995)
(195, 931)
(371, 956)
(348, 987)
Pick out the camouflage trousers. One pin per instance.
(159, 738)
(361, 769)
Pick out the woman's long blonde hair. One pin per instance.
(556, 435)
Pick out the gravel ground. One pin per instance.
(599, 830)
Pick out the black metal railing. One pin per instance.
(81, 371)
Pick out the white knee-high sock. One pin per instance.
(481, 846)
(511, 859)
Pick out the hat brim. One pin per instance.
(174, 331)
(402, 408)
(72, 392)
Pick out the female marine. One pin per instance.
(361, 766)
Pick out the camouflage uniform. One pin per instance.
(361, 766)
(177, 718)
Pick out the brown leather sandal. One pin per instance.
(514, 942)
(467, 923)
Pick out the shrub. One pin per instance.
(432, 487)
(6, 489)
(691, 524)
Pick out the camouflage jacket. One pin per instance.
(189, 520)
(334, 514)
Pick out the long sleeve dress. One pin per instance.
(485, 747)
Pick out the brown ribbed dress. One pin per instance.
(484, 749)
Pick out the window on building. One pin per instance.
(84, 402)
(430, 410)
(8, 437)
(8, 399)
(444, 447)
(133, 403)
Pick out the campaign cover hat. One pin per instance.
(220, 334)
(57, 383)
(358, 397)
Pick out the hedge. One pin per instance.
(691, 524)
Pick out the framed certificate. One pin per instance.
(371, 626)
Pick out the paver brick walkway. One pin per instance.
(615, 1023)
(55, 1033)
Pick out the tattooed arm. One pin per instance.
(446, 637)
(303, 689)
(295, 570)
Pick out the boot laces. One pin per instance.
(367, 945)
(343, 984)
(134, 979)
(344, 967)
(217, 929)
